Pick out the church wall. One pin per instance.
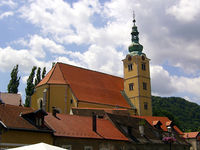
(37, 96)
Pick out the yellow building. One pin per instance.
(66, 86)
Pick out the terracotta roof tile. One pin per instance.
(191, 135)
(164, 120)
(81, 126)
(10, 116)
(87, 85)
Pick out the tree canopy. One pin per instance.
(14, 81)
(30, 87)
(185, 114)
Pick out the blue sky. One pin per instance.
(95, 34)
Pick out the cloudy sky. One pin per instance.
(95, 34)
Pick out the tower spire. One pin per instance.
(135, 48)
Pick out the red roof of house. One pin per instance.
(191, 135)
(81, 127)
(164, 120)
(11, 98)
(10, 116)
(87, 85)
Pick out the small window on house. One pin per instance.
(130, 67)
(131, 87)
(144, 85)
(145, 105)
(68, 147)
(143, 66)
(88, 148)
(71, 101)
(38, 121)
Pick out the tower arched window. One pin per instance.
(130, 67)
(143, 66)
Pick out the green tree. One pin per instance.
(38, 76)
(30, 87)
(14, 81)
(43, 72)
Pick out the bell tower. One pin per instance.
(137, 76)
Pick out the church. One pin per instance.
(66, 86)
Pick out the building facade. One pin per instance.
(67, 86)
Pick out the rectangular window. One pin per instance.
(143, 66)
(144, 86)
(131, 87)
(145, 105)
(68, 147)
(88, 148)
(130, 67)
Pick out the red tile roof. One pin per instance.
(87, 85)
(191, 135)
(10, 116)
(10, 98)
(81, 127)
(164, 120)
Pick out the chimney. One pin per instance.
(94, 122)
(54, 111)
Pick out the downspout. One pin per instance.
(138, 86)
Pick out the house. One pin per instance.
(11, 98)
(113, 132)
(194, 139)
(163, 122)
(22, 126)
(66, 86)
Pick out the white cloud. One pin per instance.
(161, 81)
(63, 22)
(167, 85)
(6, 14)
(10, 3)
(105, 59)
(185, 11)
(24, 79)
(10, 57)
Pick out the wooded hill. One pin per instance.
(185, 114)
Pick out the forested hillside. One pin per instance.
(184, 113)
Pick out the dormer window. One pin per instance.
(38, 121)
(130, 67)
(36, 118)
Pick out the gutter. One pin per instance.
(37, 130)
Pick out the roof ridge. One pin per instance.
(90, 70)
(53, 69)
(62, 74)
